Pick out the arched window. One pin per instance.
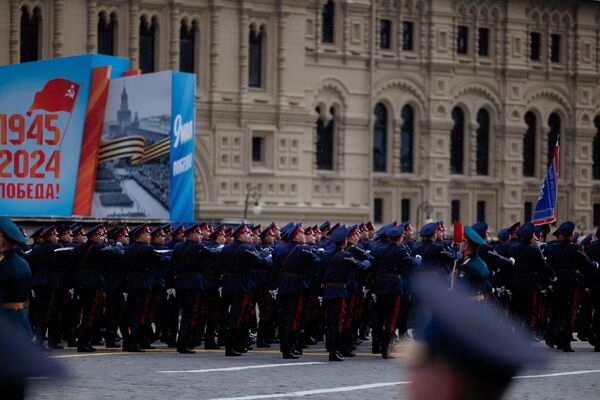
(596, 150)
(30, 25)
(325, 133)
(328, 22)
(147, 44)
(529, 145)
(457, 136)
(407, 133)
(187, 47)
(483, 142)
(255, 61)
(554, 124)
(106, 33)
(380, 139)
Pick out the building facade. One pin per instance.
(363, 109)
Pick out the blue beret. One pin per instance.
(98, 229)
(472, 235)
(339, 234)
(526, 230)
(11, 230)
(468, 335)
(565, 229)
(428, 229)
(480, 227)
(503, 234)
(384, 228)
(395, 231)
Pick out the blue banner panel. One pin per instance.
(182, 147)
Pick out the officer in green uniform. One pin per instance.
(471, 274)
(15, 279)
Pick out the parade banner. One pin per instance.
(55, 116)
(145, 160)
(42, 114)
(545, 208)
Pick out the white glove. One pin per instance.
(418, 257)
(512, 260)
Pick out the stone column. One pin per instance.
(58, 28)
(134, 33)
(15, 14)
(175, 32)
(581, 149)
(92, 33)
(437, 167)
(281, 17)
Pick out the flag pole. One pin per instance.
(70, 115)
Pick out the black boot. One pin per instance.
(185, 350)
(335, 356)
(230, 352)
(290, 356)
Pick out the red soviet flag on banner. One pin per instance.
(57, 95)
(458, 232)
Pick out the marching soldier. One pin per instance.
(530, 273)
(211, 277)
(336, 266)
(91, 260)
(114, 287)
(139, 256)
(593, 252)
(292, 259)
(235, 262)
(393, 264)
(471, 274)
(187, 267)
(436, 261)
(569, 262)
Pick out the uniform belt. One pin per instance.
(291, 274)
(477, 297)
(16, 306)
(335, 285)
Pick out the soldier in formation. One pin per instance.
(250, 285)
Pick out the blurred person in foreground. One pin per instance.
(465, 351)
(15, 279)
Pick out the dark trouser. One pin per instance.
(136, 309)
(264, 300)
(151, 307)
(210, 311)
(291, 306)
(90, 300)
(335, 311)
(563, 307)
(114, 311)
(595, 329)
(522, 307)
(44, 296)
(239, 317)
(583, 320)
(190, 306)
(388, 306)
(169, 315)
(349, 320)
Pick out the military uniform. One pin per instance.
(569, 262)
(292, 262)
(15, 283)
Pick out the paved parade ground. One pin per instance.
(263, 374)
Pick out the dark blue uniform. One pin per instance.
(393, 264)
(593, 280)
(235, 262)
(292, 264)
(570, 263)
